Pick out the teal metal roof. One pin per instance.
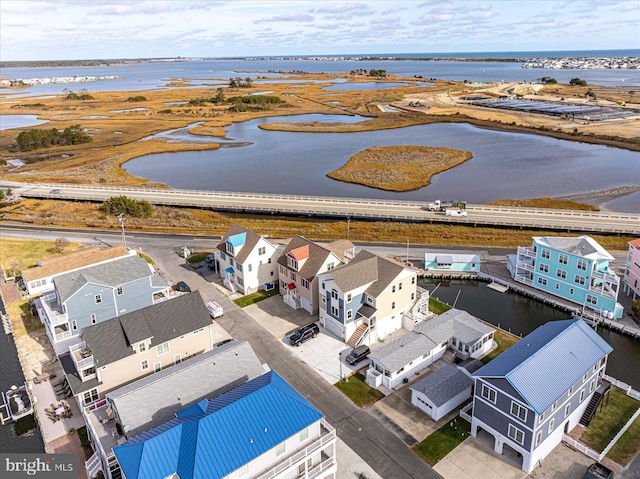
(237, 240)
(546, 363)
(213, 438)
(229, 270)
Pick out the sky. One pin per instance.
(67, 30)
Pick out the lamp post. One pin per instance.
(121, 219)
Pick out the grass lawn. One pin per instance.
(23, 321)
(28, 252)
(505, 340)
(437, 307)
(443, 441)
(198, 257)
(627, 446)
(358, 391)
(610, 420)
(255, 297)
(146, 258)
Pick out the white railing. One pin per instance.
(621, 432)
(85, 360)
(93, 465)
(318, 469)
(524, 279)
(291, 301)
(601, 290)
(610, 277)
(523, 250)
(290, 461)
(63, 335)
(581, 447)
(624, 386)
(464, 412)
(54, 318)
(525, 266)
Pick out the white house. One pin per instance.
(455, 329)
(248, 262)
(366, 298)
(441, 391)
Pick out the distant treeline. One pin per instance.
(35, 139)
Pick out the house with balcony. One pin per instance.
(121, 350)
(261, 429)
(366, 298)
(97, 293)
(247, 261)
(40, 278)
(574, 269)
(455, 331)
(632, 270)
(539, 389)
(300, 264)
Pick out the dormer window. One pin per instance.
(230, 249)
(292, 263)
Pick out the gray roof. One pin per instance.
(339, 247)
(402, 351)
(470, 365)
(76, 384)
(580, 246)
(443, 384)
(114, 273)
(317, 256)
(454, 323)
(111, 340)
(154, 399)
(367, 311)
(367, 268)
(250, 243)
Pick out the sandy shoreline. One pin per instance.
(600, 198)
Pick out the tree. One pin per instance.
(577, 82)
(122, 205)
(1, 195)
(635, 308)
(61, 244)
(220, 96)
(9, 192)
(15, 266)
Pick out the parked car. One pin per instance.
(358, 354)
(214, 309)
(598, 471)
(210, 258)
(182, 287)
(221, 343)
(303, 334)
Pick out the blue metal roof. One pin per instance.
(237, 240)
(546, 363)
(211, 439)
(229, 270)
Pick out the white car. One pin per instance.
(214, 309)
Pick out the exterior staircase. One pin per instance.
(93, 465)
(358, 336)
(590, 412)
(291, 301)
(448, 356)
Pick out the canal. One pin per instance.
(23, 435)
(521, 315)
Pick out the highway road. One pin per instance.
(478, 215)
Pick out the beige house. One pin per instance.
(40, 278)
(299, 265)
(123, 349)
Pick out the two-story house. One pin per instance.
(632, 270)
(247, 261)
(539, 389)
(40, 278)
(97, 293)
(299, 265)
(366, 298)
(574, 269)
(122, 349)
(263, 428)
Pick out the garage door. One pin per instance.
(333, 328)
(306, 305)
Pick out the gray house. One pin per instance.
(540, 388)
(96, 293)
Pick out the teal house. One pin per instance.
(574, 269)
(452, 262)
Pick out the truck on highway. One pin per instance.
(439, 205)
(455, 213)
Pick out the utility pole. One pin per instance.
(121, 219)
(348, 226)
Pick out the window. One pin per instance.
(120, 290)
(144, 365)
(334, 294)
(369, 300)
(162, 349)
(157, 367)
(243, 471)
(560, 273)
(393, 288)
(269, 261)
(538, 438)
(271, 273)
(93, 319)
(488, 393)
(518, 411)
(516, 434)
(571, 291)
(334, 311)
(349, 314)
(223, 256)
(281, 448)
(91, 396)
(579, 279)
(570, 391)
(393, 305)
(292, 263)
(324, 300)
(142, 347)
(240, 281)
(592, 386)
(413, 280)
(231, 261)
(581, 395)
(74, 325)
(567, 410)
(177, 359)
(541, 418)
(323, 286)
(554, 406)
(304, 434)
(592, 299)
(304, 283)
(249, 267)
(543, 267)
(331, 265)
(563, 258)
(399, 286)
(283, 284)
(545, 253)
(551, 424)
(413, 295)
(582, 264)
(542, 281)
(239, 266)
(557, 285)
(349, 298)
(98, 298)
(262, 250)
(293, 277)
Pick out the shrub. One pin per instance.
(635, 308)
(136, 98)
(35, 139)
(127, 206)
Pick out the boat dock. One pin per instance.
(5, 413)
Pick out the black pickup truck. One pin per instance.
(598, 471)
